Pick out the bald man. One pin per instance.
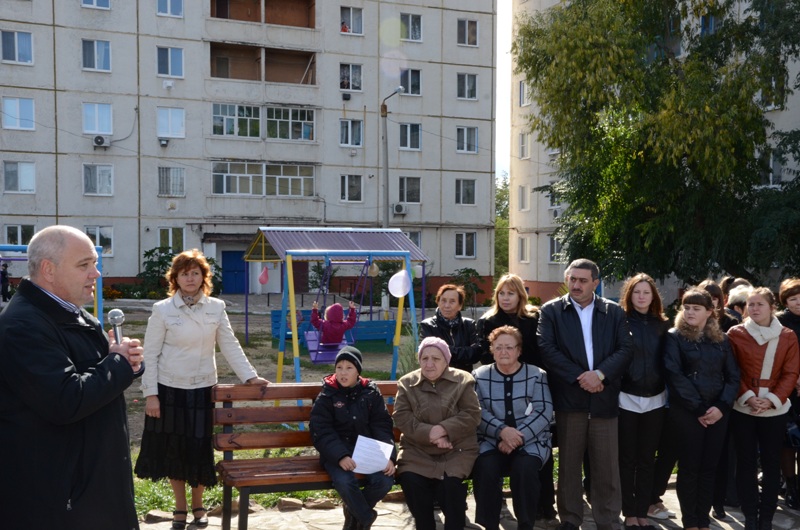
(63, 422)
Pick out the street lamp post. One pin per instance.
(385, 154)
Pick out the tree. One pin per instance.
(501, 226)
(660, 118)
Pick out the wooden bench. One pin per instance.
(244, 409)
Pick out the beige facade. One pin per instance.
(533, 216)
(194, 123)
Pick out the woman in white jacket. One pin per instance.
(180, 341)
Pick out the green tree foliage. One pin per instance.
(659, 109)
(501, 226)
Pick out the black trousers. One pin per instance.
(639, 434)
(698, 455)
(421, 492)
(758, 439)
(487, 479)
(666, 458)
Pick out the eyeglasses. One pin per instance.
(504, 348)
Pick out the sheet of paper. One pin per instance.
(371, 455)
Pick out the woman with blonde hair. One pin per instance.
(703, 378)
(179, 345)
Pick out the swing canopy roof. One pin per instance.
(272, 243)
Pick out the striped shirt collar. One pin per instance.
(72, 308)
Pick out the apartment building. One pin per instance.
(190, 124)
(533, 216)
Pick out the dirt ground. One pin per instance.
(260, 352)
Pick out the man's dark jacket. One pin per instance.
(63, 422)
(564, 354)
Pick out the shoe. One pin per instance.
(719, 513)
(791, 498)
(350, 522)
(368, 525)
(200, 522)
(567, 526)
(179, 525)
(657, 512)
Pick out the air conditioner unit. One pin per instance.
(101, 141)
(400, 209)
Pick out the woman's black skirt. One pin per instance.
(178, 444)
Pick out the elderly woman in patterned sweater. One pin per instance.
(514, 434)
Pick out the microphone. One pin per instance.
(116, 317)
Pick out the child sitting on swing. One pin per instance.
(333, 327)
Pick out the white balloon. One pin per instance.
(400, 284)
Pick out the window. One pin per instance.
(236, 120)
(350, 76)
(350, 133)
(410, 79)
(524, 94)
(350, 189)
(708, 25)
(410, 189)
(170, 8)
(555, 250)
(171, 182)
(18, 113)
(170, 61)
(773, 175)
(231, 178)
(409, 135)
(19, 234)
(97, 55)
(290, 123)
(98, 180)
(352, 20)
(522, 198)
(555, 202)
(101, 4)
(245, 178)
(17, 47)
(467, 86)
(468, 32)
(171, 237)
(465, 191)
(19, 177)
(467, 139)
(465, 244)
(415, 237)
(522, 247)
(171, 122)
(523, 145)
(97, 118)
(290, 180)
(103, 236)
(410, 27)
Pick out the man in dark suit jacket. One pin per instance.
(586, 348)
(63, 419)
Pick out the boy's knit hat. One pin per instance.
(351, 354)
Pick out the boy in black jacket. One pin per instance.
(347, 407)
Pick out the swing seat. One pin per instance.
(324, 353)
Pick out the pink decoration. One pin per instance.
(263, 278)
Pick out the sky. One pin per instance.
(503, 88)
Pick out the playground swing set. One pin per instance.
(270, 245)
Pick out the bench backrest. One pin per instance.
(270, 406)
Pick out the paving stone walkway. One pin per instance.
(395, 516)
